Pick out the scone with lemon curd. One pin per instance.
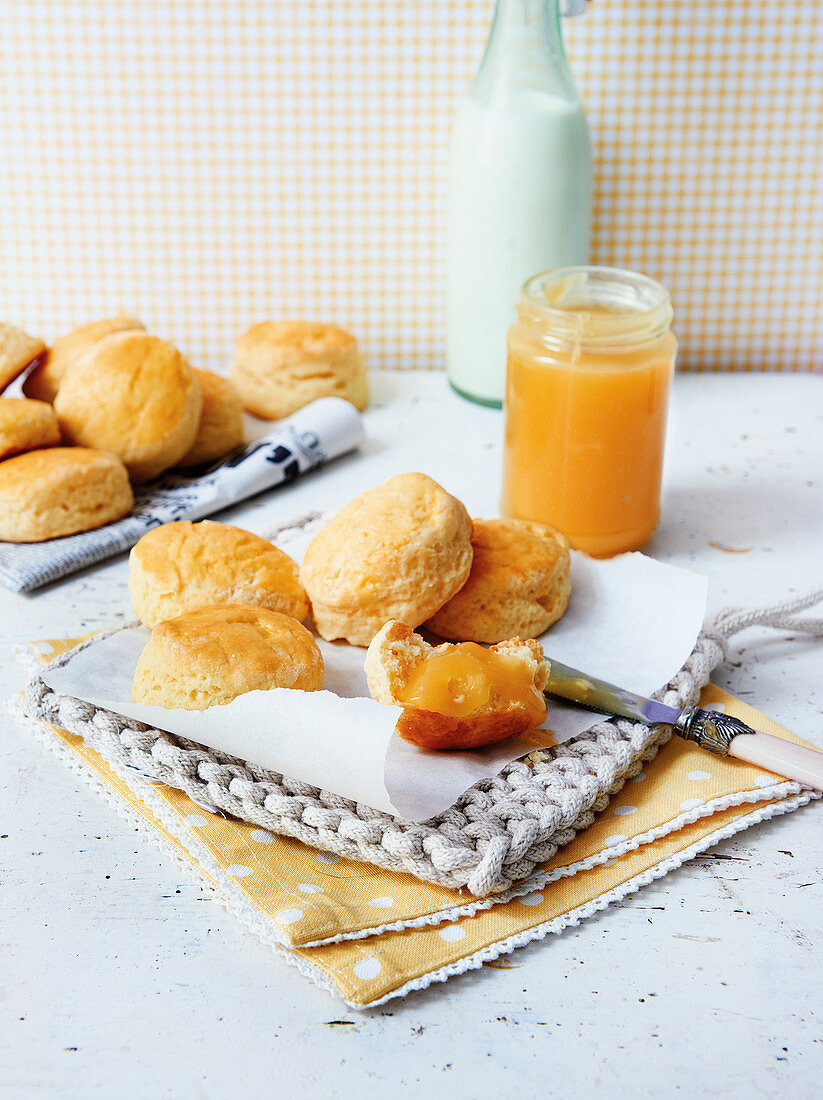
(44, 381)
(397, 551)
(182, 566)
(519, 584)
(457, 696)
(208, 657)
(134, 395)
(280, 366)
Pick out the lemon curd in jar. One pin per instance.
(590, 363)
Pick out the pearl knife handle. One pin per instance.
(724, 735)
(783, 757)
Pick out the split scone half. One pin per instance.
(460, 696)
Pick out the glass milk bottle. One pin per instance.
(519, 189)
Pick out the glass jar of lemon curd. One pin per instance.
(590, 362)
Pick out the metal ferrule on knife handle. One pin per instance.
(709, 729)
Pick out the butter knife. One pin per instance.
(719, 733)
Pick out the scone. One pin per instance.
(61, 491)
(398, 551)
(210, 656)
(182, 566)
(17, 351)
(519, 584)
(280, 366)
(221, 421)
(44, 381)
(134, 395)
(457, 696)
(26, 425)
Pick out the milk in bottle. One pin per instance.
(519, 189)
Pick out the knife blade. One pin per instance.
(719, 733)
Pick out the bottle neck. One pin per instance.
(540, 17)
(524, 50)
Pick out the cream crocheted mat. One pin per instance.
(496, 833)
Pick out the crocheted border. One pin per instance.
(205, 873)
(494, 836)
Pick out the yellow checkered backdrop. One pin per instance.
(212, 163)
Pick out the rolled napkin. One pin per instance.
(315, 434)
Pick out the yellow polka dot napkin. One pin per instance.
(209, 164)
(368, 934)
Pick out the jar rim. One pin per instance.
(596, 305)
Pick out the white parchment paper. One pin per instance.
(631, 620)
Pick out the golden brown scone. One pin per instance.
(17, 351)
(26, 425)
(44, 381)
(134, 395)
(210, 656)
(182, 566)
(457, 696)
(280, 366)
(221, 421)
(61, 491)
(398, 551)
(519, 584)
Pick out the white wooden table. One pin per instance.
(119, 978)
